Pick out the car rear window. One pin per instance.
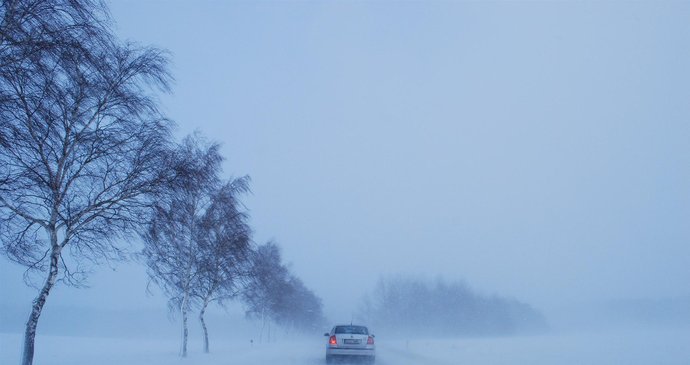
(352, 330)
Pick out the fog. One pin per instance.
(534, 151)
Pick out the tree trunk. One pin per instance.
(32, 323)
(203, 324)
(263, 325)
(185, 331)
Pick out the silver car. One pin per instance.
(350, 341)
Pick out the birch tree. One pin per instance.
(265, 275)
(82, 144)
(274, 295)
(297, 307)
(172, 243)
(224, 245)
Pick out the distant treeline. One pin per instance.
(405, 305)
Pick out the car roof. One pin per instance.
(349, 324)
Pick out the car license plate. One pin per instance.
(351, 342)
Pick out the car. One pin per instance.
(351, 341)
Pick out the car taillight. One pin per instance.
(370, 341)
(332, 341)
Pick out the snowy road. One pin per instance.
(663, 347)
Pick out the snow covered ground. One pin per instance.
(623, 347)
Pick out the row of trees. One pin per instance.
(197, 248)
(415, 306)
(88, 163)
(273, 294)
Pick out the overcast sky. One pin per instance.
(538, 150)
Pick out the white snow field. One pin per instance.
(631, 347)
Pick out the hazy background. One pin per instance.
(537, 150)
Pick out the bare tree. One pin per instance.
(273, 294)
(82, 140)
(172, 242)
(224, 245)
(265, 275)
(297, 307)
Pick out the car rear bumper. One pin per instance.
(339, 351)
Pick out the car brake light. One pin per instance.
(332, 341)
(370, 341)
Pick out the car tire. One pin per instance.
(372, 360)
(329, 359)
